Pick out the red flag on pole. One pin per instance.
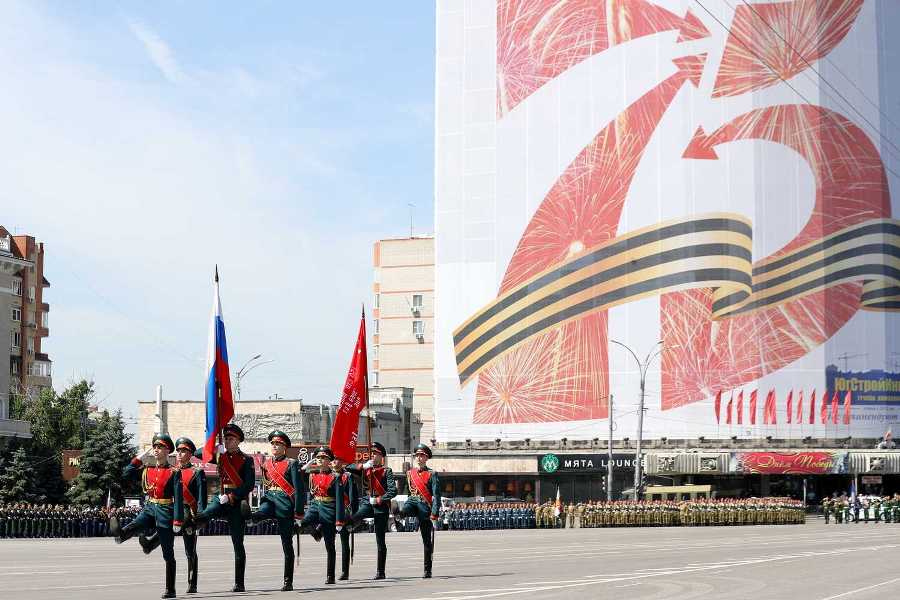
(753, 407)
(728, 409)
(354, 397)
(771, 411)
(800, 408)
(823, 409)
(834, 407)
(848, 400)
(740, 408)
(812, 408)
(789, 413)
(718, 406)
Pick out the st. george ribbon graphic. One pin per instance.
(539, 352)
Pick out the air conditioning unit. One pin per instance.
(416, 310)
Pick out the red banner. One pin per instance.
(784, 463)
(353, 399)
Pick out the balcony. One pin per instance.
(43, 332)
(38, 381)
(15, 428)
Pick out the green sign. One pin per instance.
(549, 463)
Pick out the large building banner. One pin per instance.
(697, 190)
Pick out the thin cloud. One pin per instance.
(159, 52)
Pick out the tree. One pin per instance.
(107, 449)
(17, 480)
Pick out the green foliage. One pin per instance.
(107, 449)
(17, 479)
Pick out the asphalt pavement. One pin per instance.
(787, 562)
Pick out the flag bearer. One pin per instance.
(380, 487)
(237, 478)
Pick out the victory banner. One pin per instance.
(788, 463)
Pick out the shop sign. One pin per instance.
(871, 479)
(786, 463)
(583, 463)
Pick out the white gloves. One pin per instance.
(223, 499)
(298, 522)
(338, 528)
(368, 464)
(220, 449)
(176, 528)
(373, 500)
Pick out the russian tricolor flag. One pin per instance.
(219, 403)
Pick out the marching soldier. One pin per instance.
(351, 501)
(190, 498)
(284, 499)
(380, 488)
(424, 500)
(326, 511)
(159, 487)
(237, 477)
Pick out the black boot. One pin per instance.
(330, 569)
(170, 579)
(240, 564)
(345, 565)
(288, 574)
(192, 575)
(126, 533)
(427, 574)
(382, 559)
(149, 543)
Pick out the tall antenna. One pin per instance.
(411, 206)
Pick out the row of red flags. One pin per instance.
(829, 409)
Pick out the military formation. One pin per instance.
(627, 513)
(23, 520)
(325, 499)
(862, 509)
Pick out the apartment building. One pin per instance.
(403, 322)
(25, 316)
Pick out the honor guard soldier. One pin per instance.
(159, 486)
(380, 488)
(351, 501)
(284, 499)
(190, 499)
(237, 478)
(424, 500)
(326, 511)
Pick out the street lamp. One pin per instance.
(244, 370)
(643, 367)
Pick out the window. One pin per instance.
(31, 345)
(31, 293)
(15, 367)
(15, 340)
(17, 287)
(375, 326)
(16, 314)
(375, 302)
(45, 319)
(375, 352)
(418, 328)
(375, 378)
(417, 302)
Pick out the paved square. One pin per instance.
(801, 562)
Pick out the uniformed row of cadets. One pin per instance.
(24, 520)
(627, 513)
(862, 509)
(176, 503)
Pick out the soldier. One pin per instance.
(237, 478)
(424, 500)
(379, 487)
(159, 487)
(326, 511)
(351, 503)
(190, 499)
(284, 499)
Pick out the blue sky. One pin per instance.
(143, 144)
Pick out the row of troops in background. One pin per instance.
(24, 520)
(340, 500)
(861, 509)
(628, 513)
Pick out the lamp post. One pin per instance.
(246, 369)
(643, 367)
